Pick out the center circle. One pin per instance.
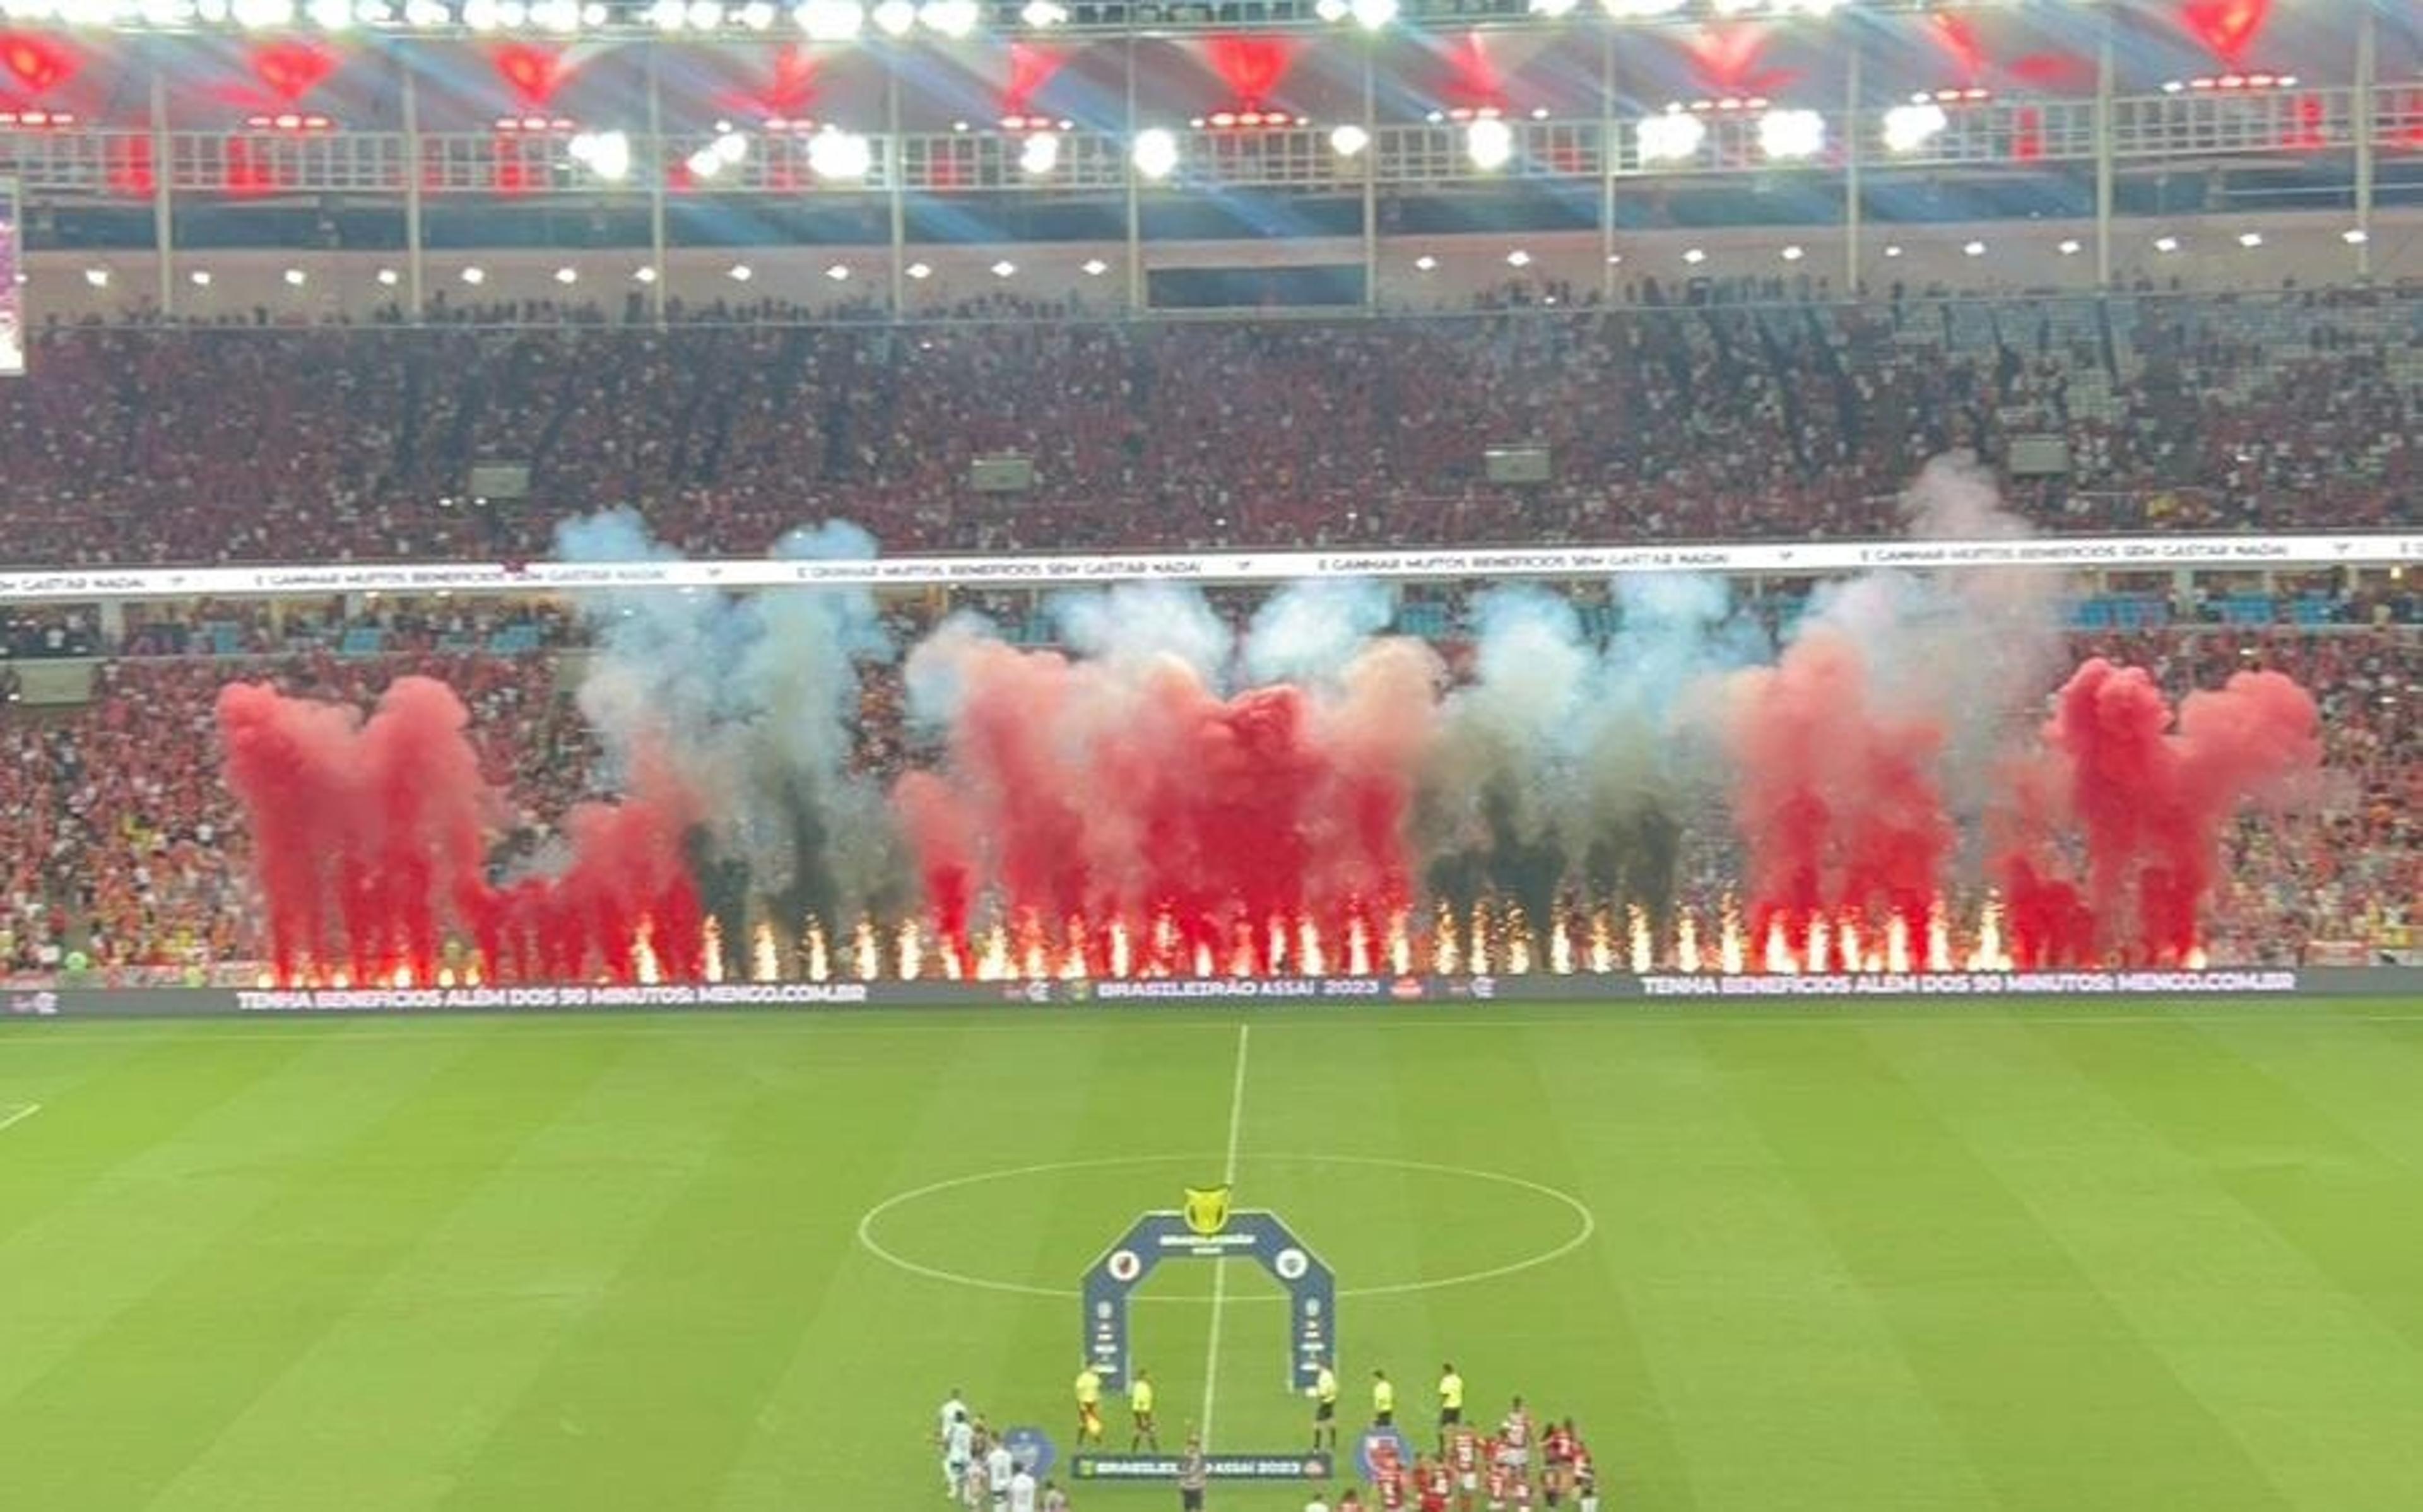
(1263, 1175)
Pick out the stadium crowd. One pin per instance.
(124, 844)
(1714, 420)
(1725, 418)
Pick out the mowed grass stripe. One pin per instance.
(2363, 1080)
(459, 1326)
(2060, 1402)
(2354, 1211)
(1780, 1381)
(123, 1415)
(1006, 1104)
(224, 1132)
(137, 1098)
(699, 1325)
(1559, 1085)
(2299, 1371)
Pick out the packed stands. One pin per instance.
(1714, 419)
(125, 845)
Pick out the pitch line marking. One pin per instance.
(1586, 1225)
(1220, 1266)
(18, 1114)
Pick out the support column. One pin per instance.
(416, 271)
(658, 161)
(163, 222)
(1371, 156)
(2368, 76)
(895, 167)
(1610, 149)
(1853, 120)
(2103, 126)
(1137, 293)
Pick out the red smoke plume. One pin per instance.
(365, 833)
(1135, 793)
(629, 879)
(368, 845)
(2149, 799)
(1836, 799)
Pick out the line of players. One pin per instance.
(980, 1473)
(1467, 1465)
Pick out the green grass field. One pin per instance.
(2057, 1256)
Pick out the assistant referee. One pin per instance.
(1324, 1407)
(1451, 1394)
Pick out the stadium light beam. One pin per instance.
(1039, 154)
(894, 18)
(1372, 15)
(1349, 140)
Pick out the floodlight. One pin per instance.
(1673, 138)
(1490, 144)
(1155, 152)
(1791, 133)
(839, 154)
(1907, 128)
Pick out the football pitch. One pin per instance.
(2058, 1256)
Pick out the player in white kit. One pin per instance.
(1021, 1490)
(999, 1467)
(958, 1452)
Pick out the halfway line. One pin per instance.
(1220, 1266)
(19, 1115)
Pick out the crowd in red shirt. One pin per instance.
(1685, 421)
(121, 841)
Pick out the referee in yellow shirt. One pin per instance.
(1324, 1407)
(1384, 1401)
(1089, 1404)
(1140, 1408)
(1451, 1394)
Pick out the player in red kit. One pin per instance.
(1585, 1480)
(1498, 1477)
(1431, 1484)
(1388, 1485)
(1463, 1457)
(1522, 1492)
(1557, 1462)
(1385, 1457)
